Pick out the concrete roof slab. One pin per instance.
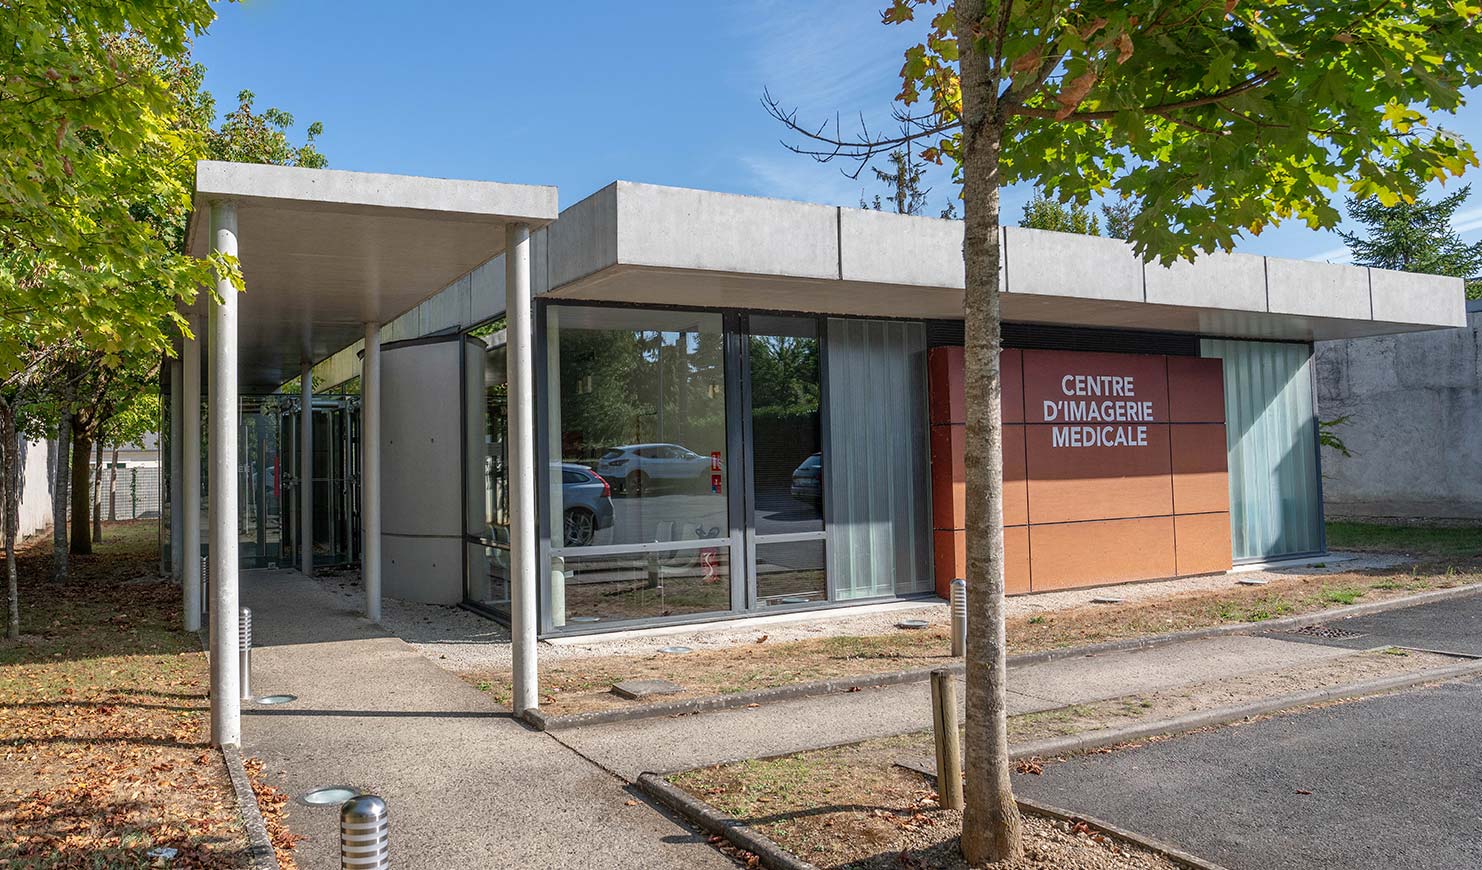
(325, 251)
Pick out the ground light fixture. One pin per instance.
(276, 699)
(675, 650)
(912, 624)
(329, 795)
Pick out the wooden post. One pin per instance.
(948, 740)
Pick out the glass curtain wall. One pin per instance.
(638, 497)
(1271, 435)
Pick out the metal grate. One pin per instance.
(1326, 632)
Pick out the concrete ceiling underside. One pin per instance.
(324, 252)
(673, 287)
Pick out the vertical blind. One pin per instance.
(1275, 496)
(876, 472)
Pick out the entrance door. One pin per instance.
(783, 428)
(336, 481)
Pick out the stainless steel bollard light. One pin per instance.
(244, 650)
(363, 842)
(959, 617)
(205, 591)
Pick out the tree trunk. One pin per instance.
(10, 506)
(990, 821)
(63, 470)
(82, 507)
(98, 493)
(113, 486)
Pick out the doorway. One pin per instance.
(336, 482)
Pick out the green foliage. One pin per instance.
(1219, 120)
(1416, 237)
(1043, 213)
(1118, 216)
(91, 140)
(1327, 437)
(246, 136)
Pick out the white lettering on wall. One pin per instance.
(1098, 399)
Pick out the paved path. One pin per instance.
(683, 742)
(1453, 626)
(1392, 782)
(466, 786)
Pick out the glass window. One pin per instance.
(791, 572)
(637, 443)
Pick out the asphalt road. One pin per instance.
(1453, 626)
(1388, 782)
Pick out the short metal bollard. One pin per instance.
(244, 650)
(363, 841)
(205, 598)
(959, 617)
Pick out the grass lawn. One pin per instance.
(103, 719)
(1437, 544)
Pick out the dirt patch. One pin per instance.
(575, 685)
(841, 808)
(103, 719)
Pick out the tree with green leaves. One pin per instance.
(1117, 217)
(1043, 213)
(1219, 118)
(1415, 236)
(907, 196)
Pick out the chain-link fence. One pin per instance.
(134, 496)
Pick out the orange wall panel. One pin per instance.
(1016, 574)
(944, 379)
(1015, 477)
(951, 559)
(947, 473)
(1196, 390)
(949, 551)
(1201, 481)
(1203, 543)
(1064, 555)
(1068, 484)
(1046, 371)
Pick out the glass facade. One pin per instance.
(1271, 435)
(486, 516)
(689, 466)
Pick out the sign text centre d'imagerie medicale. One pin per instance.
(1109, 402)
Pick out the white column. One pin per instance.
(370, 471)
(190, 474)
(306, 470)
(226, 681)
(176, 460)
(521, 438)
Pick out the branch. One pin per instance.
(1161, 110)
(860, 149)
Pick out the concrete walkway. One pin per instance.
(466, 786)
(683, 742)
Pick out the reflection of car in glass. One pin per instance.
(639, 467)
(586, 502)
(807, 480)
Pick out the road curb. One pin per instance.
(546, 722)
(1078, 743)
(712, 821)
(260, 852)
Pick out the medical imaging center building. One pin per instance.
(662, 405)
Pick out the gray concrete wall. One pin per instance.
(1416, 429)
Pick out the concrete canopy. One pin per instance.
(324, 251)
(669, 246)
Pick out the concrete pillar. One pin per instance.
(306, 470)
(370, 471)
(176, 460)
(190, 474)
(226, 680)
(521, 439)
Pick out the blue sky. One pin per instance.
(580, 94)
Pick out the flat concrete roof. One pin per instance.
(324, 251)
(661, 245)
